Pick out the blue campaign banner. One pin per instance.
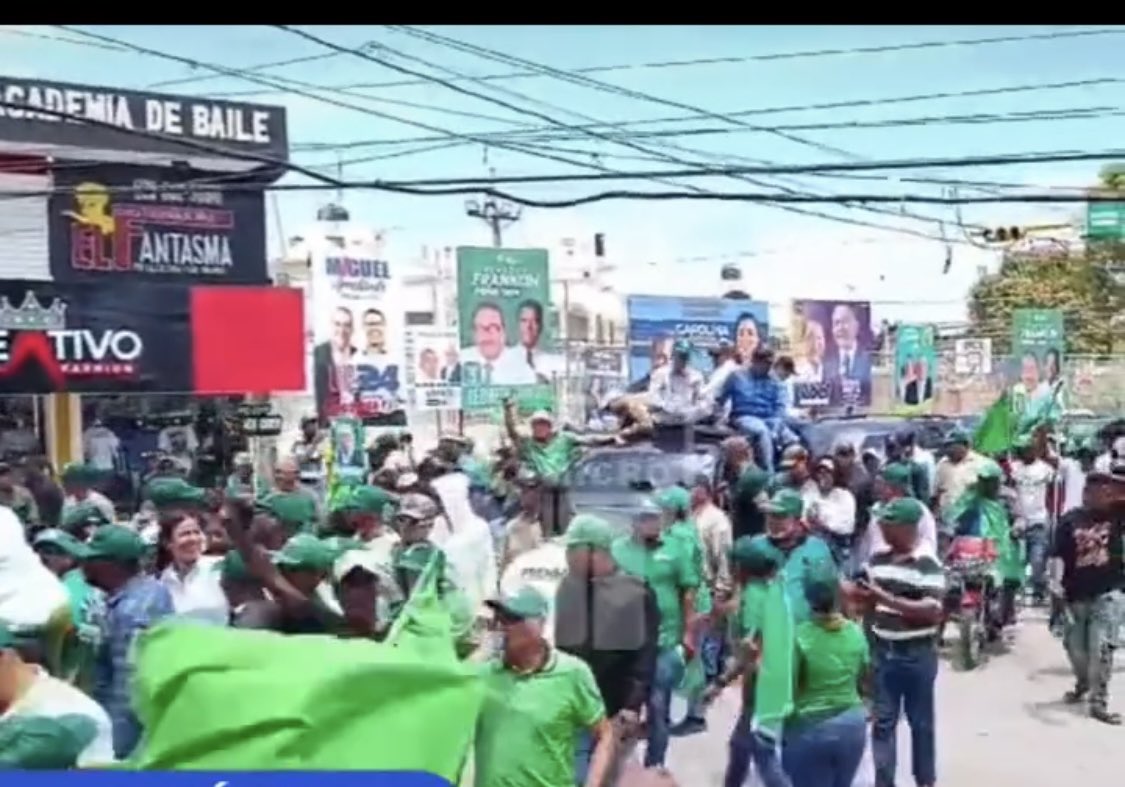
(657, 321)
(115, 778)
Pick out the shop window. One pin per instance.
(21, 428)
(129, 436)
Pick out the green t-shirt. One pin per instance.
(669, 571)
(528, 724)
(795, 564)
(689, 534)
(748, 518)
(829, 664)
(550, 460)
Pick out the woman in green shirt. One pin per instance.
(827, 732)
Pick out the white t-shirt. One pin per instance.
(1031, 482)
(927, 535)
(100, 445)
(29, 593)
(198, 595)
(511, 368)
(53, 698)
(164, 439)
(834, 511)
(1073, 482)
(925, 458)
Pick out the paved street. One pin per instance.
(1003, 724)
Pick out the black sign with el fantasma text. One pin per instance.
(120, 338)
(117, 222)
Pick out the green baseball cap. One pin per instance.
(898, 475)
(7, 638)
(958, 436)
(526, 604)
(989, 469)
(785, 502)
(674, 498)
(292, 508)
(903, 511)
(416, 557)
(1022, 441)
(114, 542)
(368, 499)
(168, 492)
(681, 347)
(587, 530)
(304, 552)
(755, 553)
(59, 540)
(79, 473)
(82, 515)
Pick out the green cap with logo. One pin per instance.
(525, 604)
(295, 509)
(958, 436)
(170, 492)
(587, 530)
(367, 499)
(83, 515)
(989, 469)
(681, 347)
(755, 553)
(116, 543)
(1022, 441)
(899, 475)
(674, 498)
(903, 511)
(58, 540)
(80, 473)
(305, 552)
(414, 558)
(786, 503)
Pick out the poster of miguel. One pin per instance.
(107, 222)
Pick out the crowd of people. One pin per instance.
(819, 589)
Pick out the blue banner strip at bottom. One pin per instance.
(94, 778)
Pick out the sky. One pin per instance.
(656, 247)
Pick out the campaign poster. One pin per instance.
(432, 355)
(358, 334)
(349, 453)
(655, 322)
(111, 222)
(1038, 349)
(915, 372)
(503, 298)
(832, 345)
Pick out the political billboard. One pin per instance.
(503, 298)
(832, 350)
(431, 364)
(915, 372)
(358, 337)
(112, 221)
(1038, 349)
(655, 322)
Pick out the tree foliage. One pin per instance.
(1080, 283)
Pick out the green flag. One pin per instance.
(773, 700)
(223, 699)
(995, 432)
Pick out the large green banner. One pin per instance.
(915, 368)
(1038, 346)
(503, 299)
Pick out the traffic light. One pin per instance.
(599, 244)
(1002, 234)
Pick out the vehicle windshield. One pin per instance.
(623, 469)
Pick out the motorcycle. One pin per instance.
(974, 597)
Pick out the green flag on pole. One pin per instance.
(222, 699)
(995, 432)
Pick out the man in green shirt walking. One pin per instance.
(665, 562)
(537, 702)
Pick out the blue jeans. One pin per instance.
(904, 681)
(826, 753)
(583, 751)
(747, 746)
(1036, 539)
(710, 651)
(669, 672)
(760, 432)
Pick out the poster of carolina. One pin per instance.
(358, 334)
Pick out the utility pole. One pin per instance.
(496, 213)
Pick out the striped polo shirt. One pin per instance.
(917, 577)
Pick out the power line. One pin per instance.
(811, 107)
(255, 69)
(742, 59)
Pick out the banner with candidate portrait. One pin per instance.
(1038, 348)
(656, 322)
(358, 337)
(504, 298)
(915, 372)
(832, 345)
(431, 365)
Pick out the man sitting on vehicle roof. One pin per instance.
(677, 388)
(757, 406)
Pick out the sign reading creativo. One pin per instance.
(116, 220)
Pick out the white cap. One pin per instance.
(541, 415)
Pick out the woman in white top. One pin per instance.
(192, 577)
(830, 510)
(810, 367)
